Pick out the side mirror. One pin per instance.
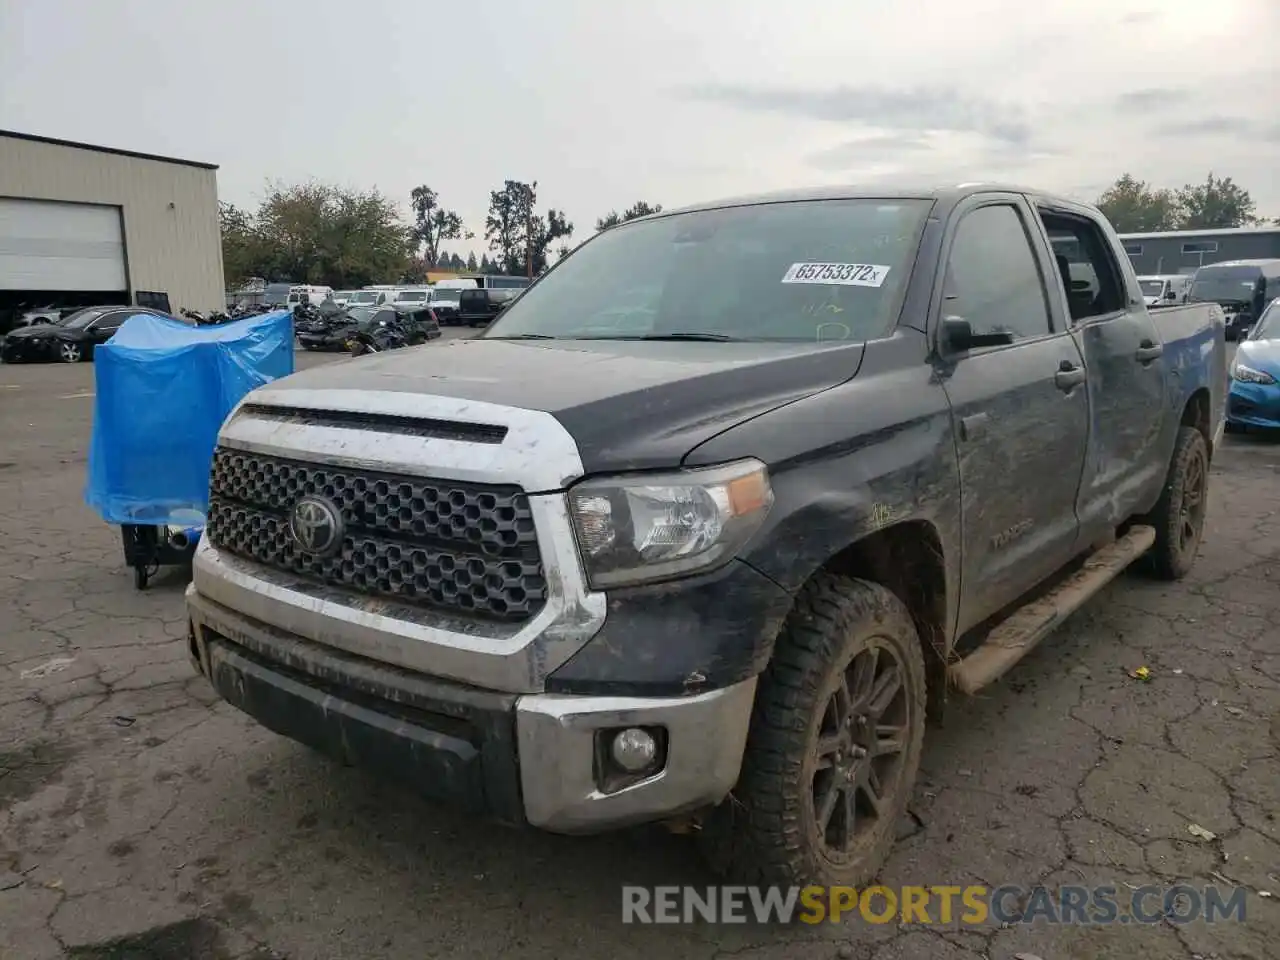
(959, 337)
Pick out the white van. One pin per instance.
(312, 294)
(457, 283)
(370, 297)
(1165, 289)
(411, 297)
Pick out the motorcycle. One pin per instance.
(206, 319)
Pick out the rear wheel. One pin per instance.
(834, 744)
(70, 352)
(1179, 515)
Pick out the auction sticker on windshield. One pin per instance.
(848, 274)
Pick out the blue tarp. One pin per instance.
(163, 389)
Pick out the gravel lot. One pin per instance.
(134, 805)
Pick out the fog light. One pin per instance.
(634, 749)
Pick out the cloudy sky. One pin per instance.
(671, 101)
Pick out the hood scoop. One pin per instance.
(426, 428)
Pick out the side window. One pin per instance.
(110, 322)
(992, 278)
(1088, 274)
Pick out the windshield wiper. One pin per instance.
(717, 337)
(524, 336)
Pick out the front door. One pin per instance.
(1020, 412)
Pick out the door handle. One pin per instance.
(1069, 376)
(1148, 351)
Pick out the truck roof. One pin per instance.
(946, 194)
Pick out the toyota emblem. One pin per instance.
(316, 525)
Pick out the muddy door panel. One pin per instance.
(1019, 472)
(1016, 383)
(1126, 462)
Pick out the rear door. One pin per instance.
(1129, 443)
(1020, 411)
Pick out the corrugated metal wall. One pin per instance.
(1166, 255)
(170, 211)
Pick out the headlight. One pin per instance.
(1249, 375)
(639, 529)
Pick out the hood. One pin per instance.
(43, 331)
(1262, 355)
(628, 404)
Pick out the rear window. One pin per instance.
(1152, 288)
(411, 296)
(787, 272)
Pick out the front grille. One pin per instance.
(460, 548)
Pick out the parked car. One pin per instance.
(710, 561)
(72, 338)
(370, 298)
(305, 293)
(411, 297)
(390, 328)
(444, 301)
(1166, 289)
(276, 294)
(478, 307)
(1254, 400)
(1241, 287)
(341, 297)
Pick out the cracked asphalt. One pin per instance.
(142, 818)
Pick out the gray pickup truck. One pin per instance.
(658, 548)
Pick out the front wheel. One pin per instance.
(70, 352)
(1179, 514)
(834, 745)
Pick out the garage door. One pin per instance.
(60, 246)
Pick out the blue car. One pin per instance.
(1254, 399)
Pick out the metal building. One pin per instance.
(81, 224)
(1185, 251)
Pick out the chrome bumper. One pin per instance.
(331, 700)
(706, 736)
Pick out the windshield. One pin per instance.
(1268, 325)
(80, 319)
(446, 293)
(1225, 283)
(361, 314)
(364, 296)
(785, 272)
(1152, 288)
(411, 296)
(342, 295)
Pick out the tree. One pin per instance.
(472, 266)
(638, 209)
(1216, 203)
(241, 249)
(316, 233)
(433, 225)
(1134, 206)
(518, 234)
(485, 266)
(456, 262)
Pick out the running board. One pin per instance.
(1012, 639)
